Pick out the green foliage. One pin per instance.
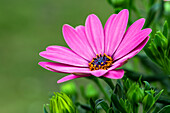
(159, 49)
(165, 109)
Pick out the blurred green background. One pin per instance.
(26, 28)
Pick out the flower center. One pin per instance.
(101, 62)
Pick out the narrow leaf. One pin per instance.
(147, 85)
(165, 29)
(165, 109)
(104, 105)
(45, 110)
(158, 95)
(92, 104)
(117, 104)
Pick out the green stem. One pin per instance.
(135, 108)
(101, 88)
(109, 82)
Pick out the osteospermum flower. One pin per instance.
(95, 51)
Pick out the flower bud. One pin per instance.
(135, 94)
(61, 103)
(160, 40)
(69, 88)
(118, 3)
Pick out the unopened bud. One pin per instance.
(61, 103)
(135, 94)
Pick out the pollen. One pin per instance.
(101, 62)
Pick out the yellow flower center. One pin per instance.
(101, 62)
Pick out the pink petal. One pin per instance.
(63, 68)
(106, 28)
(109, 21)
(58, 67)
(77, 41)
(132, 42)
(134, 29)
(122, 60)
(87, 50)
(43, 64)
(64, 55)
(115, 31)
(70, 77)
(99, 73)
(115, 74)
(94, 32)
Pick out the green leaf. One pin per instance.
(45, 110)
(139, 81)
(149, 53)
(148, 102)
(92, 104)
(117, 104)
(119, 89)
(98, 101)
(158, 95)
(165, 29)
(160, 40)
(110, 110)
(104, 105)
(165, 109)
(109, 82)
(84, 106)
(147, 85)
(156, 55)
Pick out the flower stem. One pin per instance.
(96, 80)
(109, 82)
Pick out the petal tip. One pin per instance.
(91, 17)
(42, 53)
(59, 81)
(126, 11)
(66, 27)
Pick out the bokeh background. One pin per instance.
(26, 28)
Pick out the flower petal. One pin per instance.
(63, 68)
(64, 55)
(133, 29)
(115, 31)
(77, 41)
(108, 23)
(123, 60)
(99, 73)
(132, 42)
(115, 74)
(106, 28)
(52, 66)
(70, 77)
(86, 51)
(94, 32)
(43, 64)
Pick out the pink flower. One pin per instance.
(96, 51)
